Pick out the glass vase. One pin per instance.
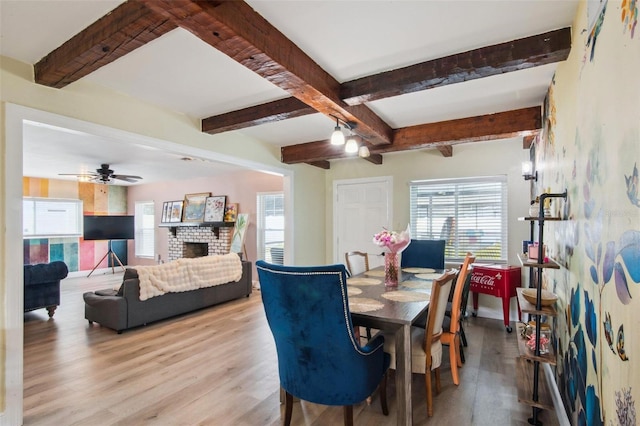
(391, 269)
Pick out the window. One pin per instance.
(271, 227)
(470, 214)
(50, 217)
(145, 240)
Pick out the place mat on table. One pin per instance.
(362, 281)
(418, 270)
(406, 296)
(376, 273)
(362, 304)
(353, 291)
(431, 276)
(417, 284)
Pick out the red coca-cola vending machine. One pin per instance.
(499, 281)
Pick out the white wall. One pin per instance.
(503, 157)
(239, 187)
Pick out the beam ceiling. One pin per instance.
(235, 29)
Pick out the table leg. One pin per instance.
(474, 295)
(403, 375)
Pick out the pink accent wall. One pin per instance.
(239, 187)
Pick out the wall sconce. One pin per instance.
(527, 171)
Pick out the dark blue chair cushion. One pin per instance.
(424, 254)
(319, 358)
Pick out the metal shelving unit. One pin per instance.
(532, 386)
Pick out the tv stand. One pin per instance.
(113, 257)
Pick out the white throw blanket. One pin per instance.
(188, 274)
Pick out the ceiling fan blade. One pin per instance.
(127, 178)
(78, 174)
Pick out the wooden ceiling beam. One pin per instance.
(541, 49)
(445, 150)
(374, 159)
(256, 115)
(323, 164)
(123, 30)
(522, 122)
(537, 50)
(241, 33)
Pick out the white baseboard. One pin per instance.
(561, 413)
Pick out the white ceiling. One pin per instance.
(349, 39)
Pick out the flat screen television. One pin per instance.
(109, 228)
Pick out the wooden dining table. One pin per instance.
(372, 305)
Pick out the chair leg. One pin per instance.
(383, 395)
(453, 360)
(348, 415)
(288, 408)
(461, 353)
(463, 337)
(437, 374)
(427, 379)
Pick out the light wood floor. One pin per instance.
(218, 367)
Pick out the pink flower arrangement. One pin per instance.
(393, 241)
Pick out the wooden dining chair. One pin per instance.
(357, 262)
(451, 334)
(463, 313)
(426, 346)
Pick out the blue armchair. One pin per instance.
(42, 286)
(319, 358)
(424, 254)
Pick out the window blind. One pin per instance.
(469, 213)
(145, 229)
(49, 217)
(271, 227)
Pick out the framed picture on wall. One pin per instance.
(194, 205)
(231, 212)
(176, 211)
(166, 211)
(214, 208)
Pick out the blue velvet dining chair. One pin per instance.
(424, 254)
(319, 358)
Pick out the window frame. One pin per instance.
(141, 232)
(463, 192)
(79, 212)
(261, 248)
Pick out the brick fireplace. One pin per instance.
(195, 241)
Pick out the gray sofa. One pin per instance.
(122, 309)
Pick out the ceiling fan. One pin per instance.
(103, 175)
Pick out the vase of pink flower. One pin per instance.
(394, 243)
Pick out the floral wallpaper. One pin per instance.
(591, 148)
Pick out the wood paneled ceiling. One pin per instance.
(237, 30)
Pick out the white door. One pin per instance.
(361, 208)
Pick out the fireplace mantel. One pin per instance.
(217, 236)
(215, 226)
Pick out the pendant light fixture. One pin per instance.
(337, 137)
(364, 152)
(352, 145)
